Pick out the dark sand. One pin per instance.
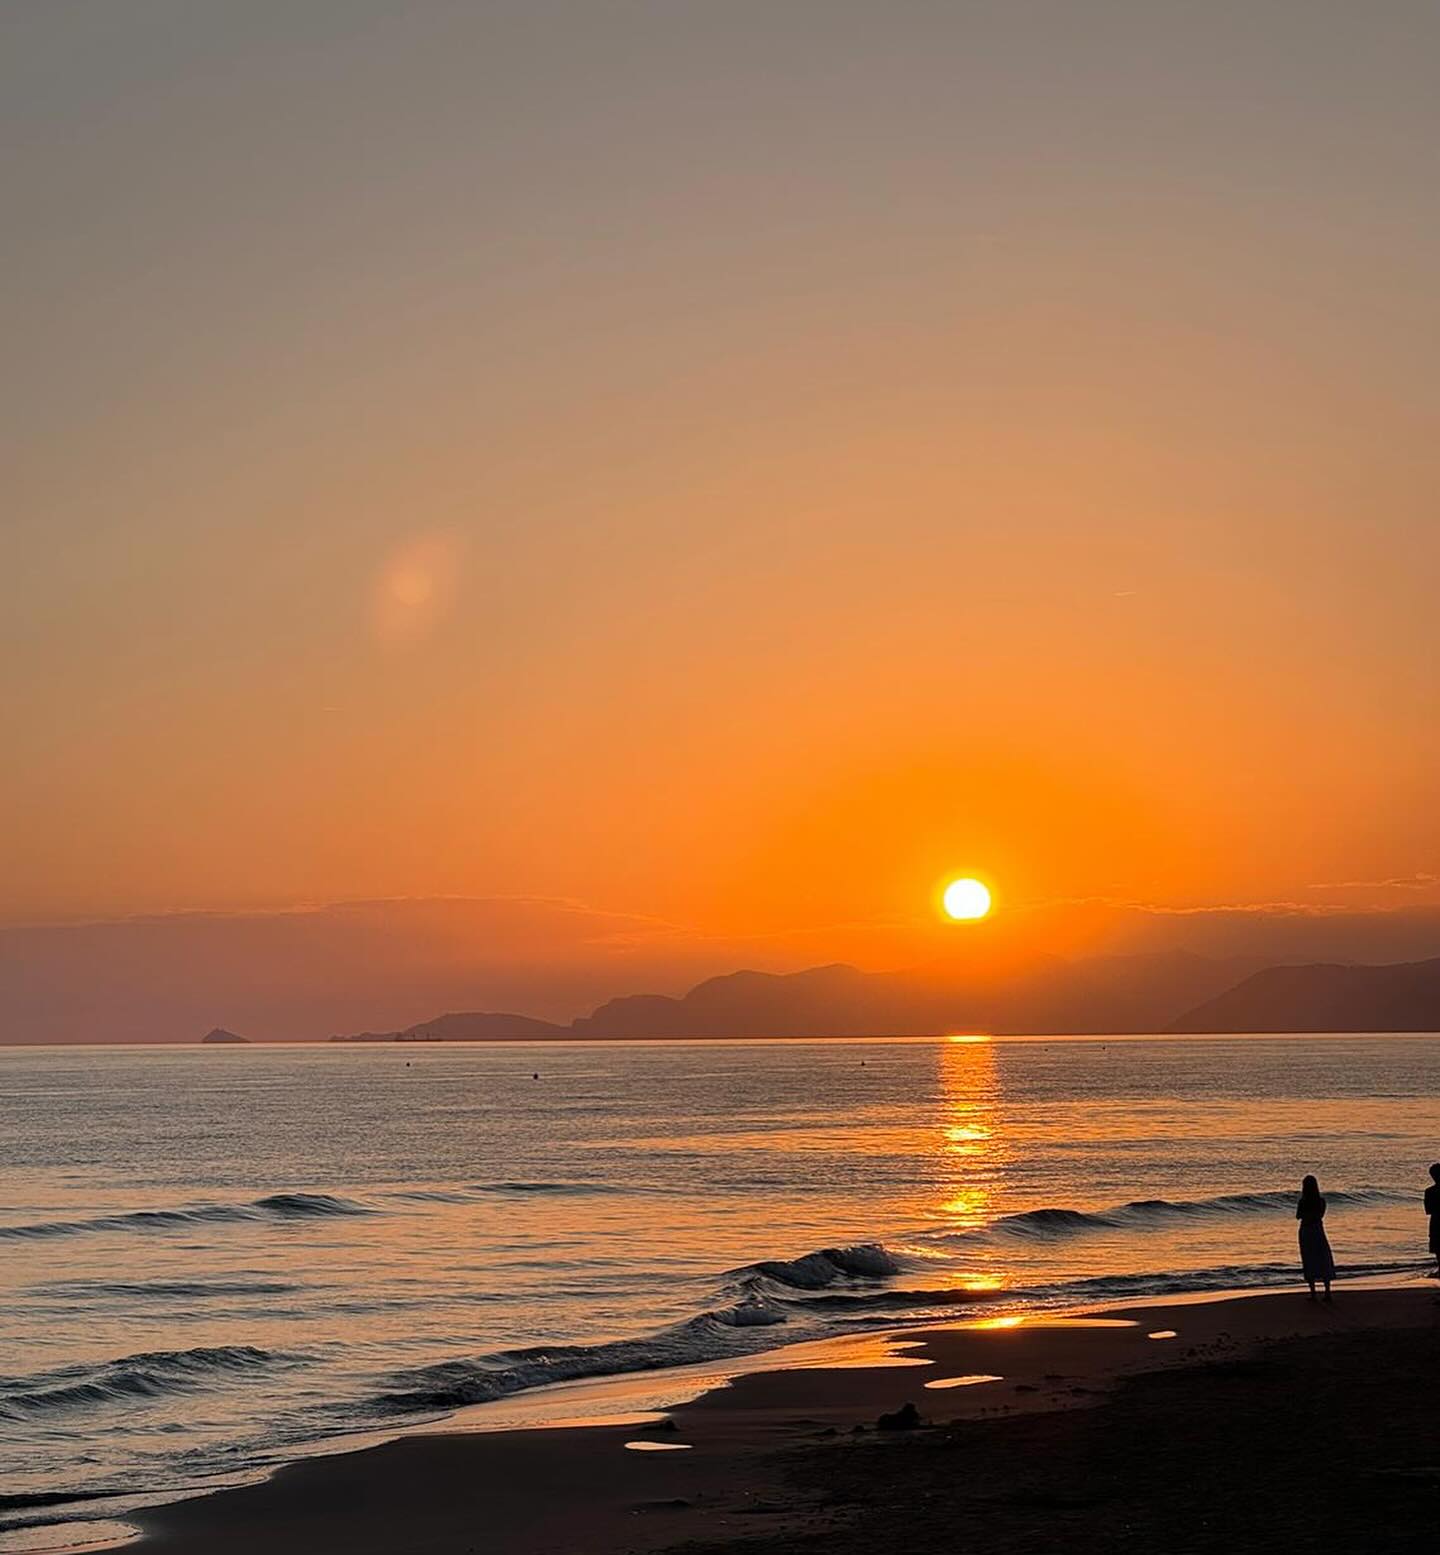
(1266, 1423)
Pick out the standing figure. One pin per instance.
(1316, 1259)
(1432, 1209)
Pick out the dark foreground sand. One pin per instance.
(1265, 1423)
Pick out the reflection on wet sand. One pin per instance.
(1081, 1322)
(873, 1352)
(969, 1381)
(1036, 1320)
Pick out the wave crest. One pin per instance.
(1141, 1214)
(275, 1206)
(148, 1375)
(815, 1271)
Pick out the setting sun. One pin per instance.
(966, 900)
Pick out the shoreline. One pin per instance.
(723, 1463)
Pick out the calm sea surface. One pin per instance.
(211, 1259)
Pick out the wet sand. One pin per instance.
(1257, 1422)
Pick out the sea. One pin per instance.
(217, 1259)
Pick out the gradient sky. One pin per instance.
(731, 463)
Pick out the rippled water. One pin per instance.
(212, 1258)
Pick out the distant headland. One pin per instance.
(1171, 992)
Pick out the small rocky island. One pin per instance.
(219, 1034)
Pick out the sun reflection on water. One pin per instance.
(972, 1154)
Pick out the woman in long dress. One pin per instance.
(1432, 1209)
(1316, 1259)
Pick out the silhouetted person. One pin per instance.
(1432, 1209)
(1316, 1259)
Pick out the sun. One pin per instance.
(966, 900)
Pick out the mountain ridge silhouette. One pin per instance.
(1325, 996)
(1025, 994)
(1033, 995)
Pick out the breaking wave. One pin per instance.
(449, 1385)
(817, 1270)
(149, 1375)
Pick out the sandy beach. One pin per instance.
(1249, 1422)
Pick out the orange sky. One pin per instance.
(706, 465)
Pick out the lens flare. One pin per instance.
(415, 587)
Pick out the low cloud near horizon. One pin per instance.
(310, 972)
